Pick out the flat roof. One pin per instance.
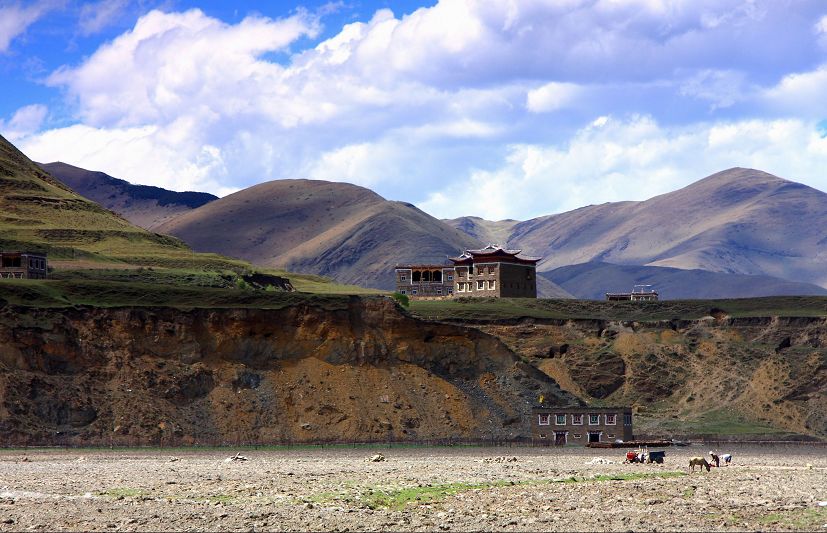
(579, 408)
(432, 267)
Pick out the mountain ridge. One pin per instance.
(591, 281)
(143, 205)
(740, 221)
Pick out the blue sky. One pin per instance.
(502, 109)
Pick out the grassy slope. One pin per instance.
(100, 257)
(101, 293)
(513, 308)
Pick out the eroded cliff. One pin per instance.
(358, 371)
(717, 376)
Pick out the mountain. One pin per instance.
(334, 229)
(487, 231)
(740, 221)
(38, 212)
(591, 281)
(144, 206)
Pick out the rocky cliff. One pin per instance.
(358, 370)
(716, 377)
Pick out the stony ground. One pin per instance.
(449, 489)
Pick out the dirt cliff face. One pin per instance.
(716, 376)
(305, 373)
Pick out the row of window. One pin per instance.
(481, 286)
(574, 435)
(438, 279)
(610, 419)
(438, 291)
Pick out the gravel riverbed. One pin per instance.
(412, 489)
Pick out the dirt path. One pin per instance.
(457, 489)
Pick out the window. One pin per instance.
(403, 291)
(491, 285)
(611, 420)
(611, 435)
(594, 419)
(439, 291)
(560, 420)
(413, 291)
(470, 270)
(450, 277)
(480, 285)
(577, 420)
(542, 435)
(544, 419)
(450, 290)
(627, 419)
(403, 277)
(578, 436)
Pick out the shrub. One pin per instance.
(402, 299)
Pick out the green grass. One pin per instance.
(121, 492)
(488, 309)
(718, 422)
(68, 293)
(800, 519)
(399, 498)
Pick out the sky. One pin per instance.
(494, 108)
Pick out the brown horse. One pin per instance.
(698, 461)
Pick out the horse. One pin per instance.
(698, 461)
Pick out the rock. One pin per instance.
(236, 457)
(378, 458)
(600, 461)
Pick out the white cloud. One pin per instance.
(173, 64)
(551, 97)
(139, 155)
(634, 159)
(453, 93)
(25, 121)
(821, 26)
(722, 88)
(800, 93)
(15, 20)
(354, 163)
(96, 16)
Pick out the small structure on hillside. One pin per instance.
(640, 293)
(23, 265)
(580, 425)
(492, 271)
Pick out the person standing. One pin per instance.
(716, 459)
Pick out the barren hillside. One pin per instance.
(333, 229)
(740, 221)
(487, 231)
